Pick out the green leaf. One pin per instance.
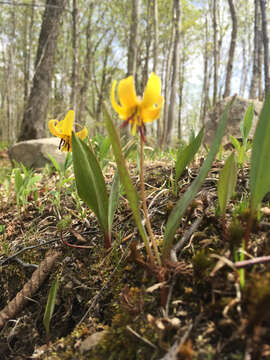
(227, 182)
(245, 125)
(55, 163)
(113, 199)
(235, 142)
(185, 156)
(124, 175)
(260, 158)
(90, 181)
(50, 306)
(182, 204)
(18, 181)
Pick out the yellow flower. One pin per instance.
(63, 130)
(135, 110)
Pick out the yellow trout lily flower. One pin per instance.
(63, 130)
(133, 109)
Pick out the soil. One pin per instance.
(112, 304)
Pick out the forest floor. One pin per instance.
(112, 304)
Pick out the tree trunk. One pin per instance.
(231, 51)
(155, 55)
(175, 71)
(260, 62)
(86, 67)
(35, 111)
(73, 98)
(205, 95)
(266, 47)
(254, 80)
(133, 37)
(215, 53)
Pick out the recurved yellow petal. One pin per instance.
(152, 113)
(82, 134)
(52, 125)
(67, 124)
(152, 91)
(126, 93)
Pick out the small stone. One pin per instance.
(92, 340)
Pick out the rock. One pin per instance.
(235, 116)
(34, 153)
(92, 340)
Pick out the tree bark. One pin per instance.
(215, 53)
(74, 80)
(232, 50)
(133, 37)
(205, 88)
(266, 47)
(35, 111)
(254, 80)
(175, 71)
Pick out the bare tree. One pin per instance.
(133, 37)
(35, 110)
(254, 79)
(215, 52)
(175, 71)
(232, 49)
(265, 46)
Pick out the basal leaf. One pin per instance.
(260, 158)
(113, 199)
(185, 156)
(90, 181)
(124, 174)
(245, 125)
(227, 182)
(182, 204)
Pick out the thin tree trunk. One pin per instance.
(73, 98)
(215, 53)
(86, 67)
(266, 47)
(35, 111)
(204, 95)
(133, 37)
(175, 71)
(260, 62)
(254, 79)
(155, 54)
(232, 50)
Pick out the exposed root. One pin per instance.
(16, 305)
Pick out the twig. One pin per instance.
(2, 262)
(16, 305)
(140, 337)
(184, 238)
(246, 263)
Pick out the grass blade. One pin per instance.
(182, 204)
(245, 125)
(185, 156)
(113, 199)
(50, 306)
(260, 158)
(227, 182)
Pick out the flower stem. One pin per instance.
(147, 221)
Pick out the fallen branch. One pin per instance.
(16, 305)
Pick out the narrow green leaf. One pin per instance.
(18, 181)
(245, 125)
(185, 156)
(113, 199)
(55, 163)
(260, 158)
(50, 306)
(124, 174)
(227, 182)
(90, 181)
(235, 142)
(182, 204)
